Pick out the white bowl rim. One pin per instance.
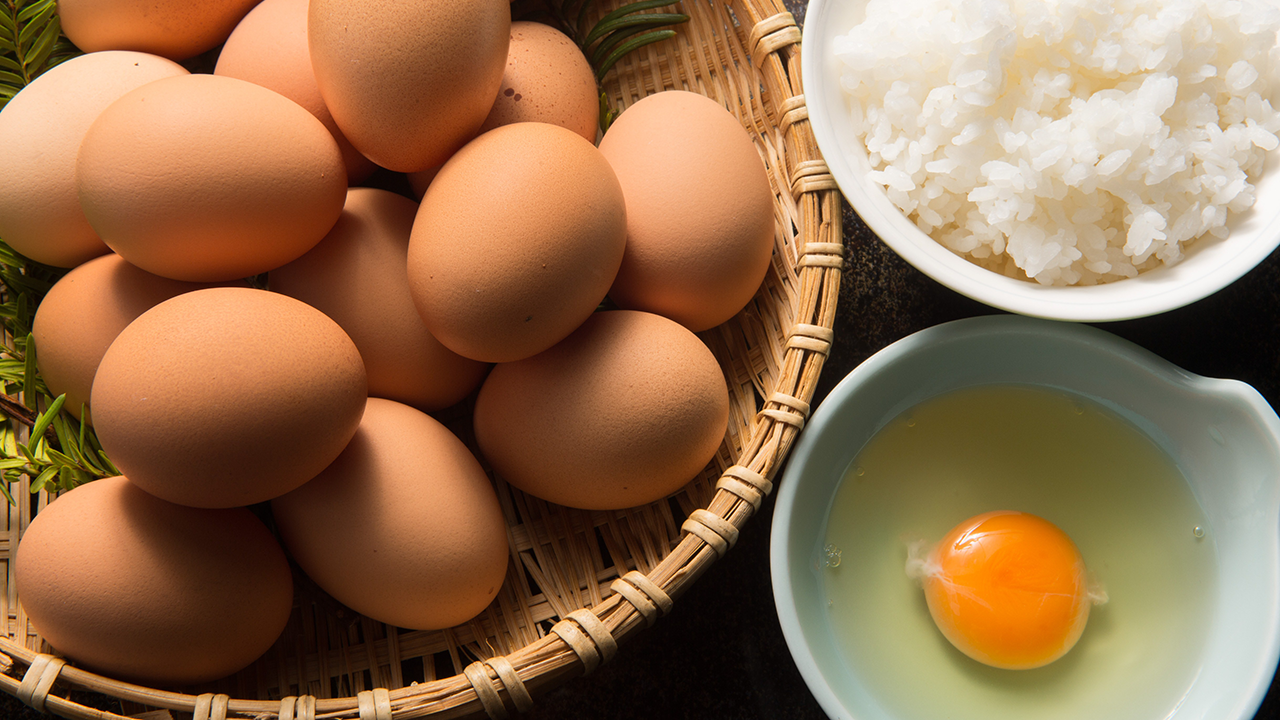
(1153, 292)
(972, 329)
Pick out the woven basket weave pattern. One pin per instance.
(579, 582)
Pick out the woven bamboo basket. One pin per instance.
(579, 583)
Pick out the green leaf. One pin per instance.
(634, 43)
(582, 20)
(28, 33)
(606, 46)
(633, 21)
(43, 478)
(41, 8)
(106, 463)
(62, 459)
(634, 8)
(42, 422)
(29, 374)
(40, 51)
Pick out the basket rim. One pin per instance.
(581, 640)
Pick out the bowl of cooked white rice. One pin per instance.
(1086, 160)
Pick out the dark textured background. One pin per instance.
(720, 653)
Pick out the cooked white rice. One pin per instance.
(1069, 141)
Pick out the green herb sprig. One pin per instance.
(31, 41)
(61, 451)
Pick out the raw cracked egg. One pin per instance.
(207, 178)
(623, 412)
(41, 129)
(700, 220)
(227, 396)
(357, 276)
(516, 241)
(83, 313)
(404, 527)
(1008, 589)
(123, 582)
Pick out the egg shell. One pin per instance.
(700, 222)
(41, 129)
(207, 178)
(176, 29)
(127, 584)
(269, 48)
(421, 180)
(404, 527)
(84, 312)
(626, 410)
(227, 396)
(516, 241)
(357, 276)
(408, 82)
(547, 79)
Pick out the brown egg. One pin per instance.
(269, 48)
(408, 82)
(421, 180)
(699, 209)
(227, 396)
(547, 79)
(176, 29)
(41, 129)
(403, 527)
(357, 276)
(516, 242)
(123, 582)
(625, 411)
(207, 178)
(84, 312)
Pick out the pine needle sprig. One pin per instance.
(60, 451)
(31, 42)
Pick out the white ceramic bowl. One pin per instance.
(1210, 264)
(1222, 434)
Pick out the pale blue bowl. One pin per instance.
(1222, 434)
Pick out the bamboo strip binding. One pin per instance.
(580, 583)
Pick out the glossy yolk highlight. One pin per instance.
(1008, 589)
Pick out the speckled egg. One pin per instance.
(626, 410)
(227, 396)
(547, 79)
(516, 242)
(700, 222)
(41, 129)
(83, 313)
(176, 29)
(403, 527)
(123, 582)
(269, 48)
(357, 276)
(408, 82)
(207, 178)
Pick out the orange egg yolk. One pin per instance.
(1008, 589)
